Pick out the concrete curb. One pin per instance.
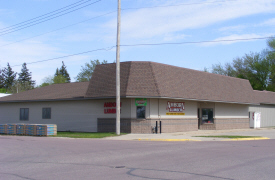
(168, 140)
(246, 139)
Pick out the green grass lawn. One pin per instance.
(85, 134)
(229, 136)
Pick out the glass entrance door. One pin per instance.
(207, 116)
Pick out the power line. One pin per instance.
(11, 29)
(42, 15)
(47, 18)
(60, 28)
(156, 44)
(99, 16)
(196, 42)
(61, 57)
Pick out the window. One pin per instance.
(207, 116)
(46, 113)
(140, 112)
(24, 114)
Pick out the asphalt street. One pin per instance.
(43, 158)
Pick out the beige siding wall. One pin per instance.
(223, 110)
(267, 114)
(68, 115)
(159, 106)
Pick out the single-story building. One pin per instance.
(181, 99)
(266, 107)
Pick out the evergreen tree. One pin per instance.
(56, 72)
(25, 78)
(1, 79)
(8, 76)
(63, 71)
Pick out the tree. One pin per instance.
(1, 79)
(47, 81)
(25, 78)
(59, 79)
(87, 70)
(271, 59)
(258, 68)
(8, 76)
(57, 72)
(53, 80)
(63, 72)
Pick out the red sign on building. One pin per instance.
(110, 107)
(175, 106)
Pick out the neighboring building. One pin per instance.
(4, 94)
(182, 99)
(266, 107)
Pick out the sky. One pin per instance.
(179, 27)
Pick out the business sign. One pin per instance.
(110, 107)
(178, 114)
(175, 106)
(141, 102)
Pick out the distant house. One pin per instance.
(181, 99)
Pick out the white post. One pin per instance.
(118, 72)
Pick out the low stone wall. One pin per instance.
(232, 123)
(137, 126)
(109, 125)
(178, 125)
(226, 123)
(145, 126)
(208, 126)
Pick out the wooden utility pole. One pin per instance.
(118, 71)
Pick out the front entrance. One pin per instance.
(206, 119)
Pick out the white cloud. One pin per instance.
(270, 22)
(228, 29)
(156, 22)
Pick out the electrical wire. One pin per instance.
(156, 44)
(12, 29)
(43, 15)
(61, 57)
(99, 16)
(61, 28)
(196, 42)
(46, 19)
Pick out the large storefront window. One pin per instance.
(207, 116)
(140, 112)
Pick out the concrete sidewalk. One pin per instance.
(265, 133)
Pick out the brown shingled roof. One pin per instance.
(52, 92)
(264, 97)
(149, 79)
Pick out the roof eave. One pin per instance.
(191, 99)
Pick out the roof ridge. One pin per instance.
(263, 91)
(197, 71)
(153, 73)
